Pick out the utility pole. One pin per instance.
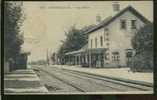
(47, 57)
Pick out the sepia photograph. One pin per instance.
(78, 47)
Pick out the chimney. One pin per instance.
(98, 19)
(116, 7)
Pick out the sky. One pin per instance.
(45, 23)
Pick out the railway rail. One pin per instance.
(104, 82)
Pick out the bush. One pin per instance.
(142, 62)
(143, 44)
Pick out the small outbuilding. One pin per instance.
(21, 60)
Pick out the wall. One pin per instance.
(119, 40)
(97, 35)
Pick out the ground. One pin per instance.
(70, 79)
(114, 72)
(62, 79)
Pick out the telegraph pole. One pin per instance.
(47, 57)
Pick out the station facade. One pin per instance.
(109, 42)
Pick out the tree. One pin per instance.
(75, 39)
(12, 22)
(143, 44)
(143, 40)
(53, 58)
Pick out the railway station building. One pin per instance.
(109, 42)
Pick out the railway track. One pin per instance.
(62, 80)
(104, 82)
(140, 86)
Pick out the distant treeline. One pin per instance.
(39, 62)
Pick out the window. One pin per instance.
(95, 42)
(101, 40)
(104, 36)
(106, 33)
(115, 56)
(123, 24)
(91, 43)
(106, 29)
(107, 44)
(133, 24)
(129, 53)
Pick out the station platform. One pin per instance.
(118, 73)
(23, 81)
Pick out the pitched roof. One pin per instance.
(110, 19)
(84, 48)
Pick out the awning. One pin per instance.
(74, 52)
(97, 50)
(86, 51)
(83, 49)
